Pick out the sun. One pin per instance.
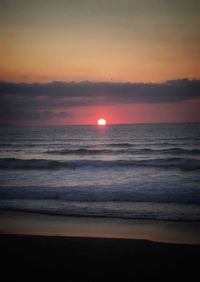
(101, 121)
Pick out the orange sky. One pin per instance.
(107, 40)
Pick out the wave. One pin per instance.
(120, 145)
(176, 150)
(82, 151)
(30, 145)
(113, 202)
(164, 212)
(147, 142)
(180, 163)
(136, 192)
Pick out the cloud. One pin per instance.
(38, 101)
(10, 115)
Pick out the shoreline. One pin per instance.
(22, 223)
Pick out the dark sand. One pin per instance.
(95, 259)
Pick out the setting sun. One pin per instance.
(101, 121)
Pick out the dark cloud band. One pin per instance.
(39, 100)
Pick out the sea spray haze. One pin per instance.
(122, 171)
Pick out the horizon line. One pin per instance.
(95, 124)
(102, 81)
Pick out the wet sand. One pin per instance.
(48, 225)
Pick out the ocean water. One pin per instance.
(115, 171)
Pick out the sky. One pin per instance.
(74, 61)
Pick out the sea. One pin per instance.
(141, 171)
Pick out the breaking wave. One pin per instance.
(82, 151)
(105, 193)
(179, 163)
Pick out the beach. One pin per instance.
(95, 259)
(96, 249)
